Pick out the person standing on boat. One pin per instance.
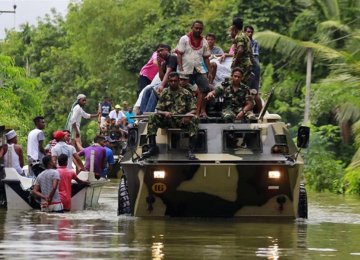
(238, 100)
(62, 147)
(12, 153)
(99, 155)
(174, 100)
(66, 175)
(75, 120)
(35, 147)
(46, 187)
(193, 54)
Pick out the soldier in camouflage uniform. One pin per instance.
(242, 51)
(173, 101)
(238, 101)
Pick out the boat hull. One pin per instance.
(18, 192)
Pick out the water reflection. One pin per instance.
(157, 251)
(102, 234)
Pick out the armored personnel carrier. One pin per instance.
(244, 169)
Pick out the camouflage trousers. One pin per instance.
(157, 121)
(228, 115)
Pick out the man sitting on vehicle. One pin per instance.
(167, 63)
(173, 101)
(238, 101)
(215, 52)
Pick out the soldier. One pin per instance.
(242, 50)
(173, 101)
(238, 101)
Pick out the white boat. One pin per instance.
(18, 191)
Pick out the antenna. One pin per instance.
(266, 106)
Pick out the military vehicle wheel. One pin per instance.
(123, 197)
(303, 206)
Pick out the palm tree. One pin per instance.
(336, 44)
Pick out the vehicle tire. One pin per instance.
(303, 205)
(123, 197)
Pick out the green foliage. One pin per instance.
(352, 180)
(20, 98)
(323, 171)
(90, 131)
(277, 15)
(304, 25)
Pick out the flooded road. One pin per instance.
(332, 231)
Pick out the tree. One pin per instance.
(20, 97)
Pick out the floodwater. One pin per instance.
(331, 232)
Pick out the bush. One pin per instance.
(323, 170)
(352, 180)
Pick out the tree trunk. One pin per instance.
(309, 61)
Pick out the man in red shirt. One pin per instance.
(66, 175)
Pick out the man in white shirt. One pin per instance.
(118, 115)
(75, 121)
(193, 54)
(35, 146)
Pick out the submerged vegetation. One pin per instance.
(100, 46)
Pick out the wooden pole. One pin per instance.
(309, 62)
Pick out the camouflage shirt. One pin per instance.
(244, 60)
(177, 102)
(234, 100)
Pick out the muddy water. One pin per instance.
(332, 231)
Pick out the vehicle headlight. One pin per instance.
(159, 174)
(274, 174)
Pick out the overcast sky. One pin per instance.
(27, 11)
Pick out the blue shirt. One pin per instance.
(217, 50)
(109, 159)
(128, 115)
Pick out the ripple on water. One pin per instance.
(100, 233)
